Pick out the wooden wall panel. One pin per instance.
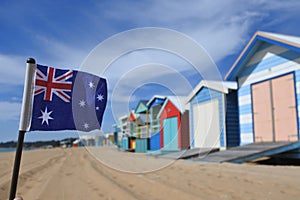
(262, 112)
(285, 121)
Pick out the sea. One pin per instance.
(3, 150)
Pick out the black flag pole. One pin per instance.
(15, 176)
(25, 121)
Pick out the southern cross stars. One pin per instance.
(91, 84)
(46, 116)
(87, 105)
(100, 97)
(86, 125)
(81, 103)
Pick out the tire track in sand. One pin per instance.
(76, 172)
(139, 185)
(28, 172)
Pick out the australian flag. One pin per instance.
(67, 100)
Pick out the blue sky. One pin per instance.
(63, 33)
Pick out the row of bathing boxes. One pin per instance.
(258, 101)
(157, 125)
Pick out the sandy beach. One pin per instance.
(100, 173)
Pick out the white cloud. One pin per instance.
(287, 5)
(10, 111)
(139, 77)
(55, 53)
(185, 48)
(59, 54)
(12, 69)
(217, 25)
(222, 27)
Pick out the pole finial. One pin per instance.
(31, 60)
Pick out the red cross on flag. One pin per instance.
(53, 85)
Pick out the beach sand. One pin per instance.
(78, 173)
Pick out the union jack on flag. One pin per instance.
(49, 84)
(67, 100)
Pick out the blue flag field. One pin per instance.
(67, 100)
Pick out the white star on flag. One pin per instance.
(46, 116)
(86, 125)
(100, 97)
(91, 84)
(82, 103)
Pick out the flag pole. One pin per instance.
(15, 176)
(25, 121)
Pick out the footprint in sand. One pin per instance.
(69, 174)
